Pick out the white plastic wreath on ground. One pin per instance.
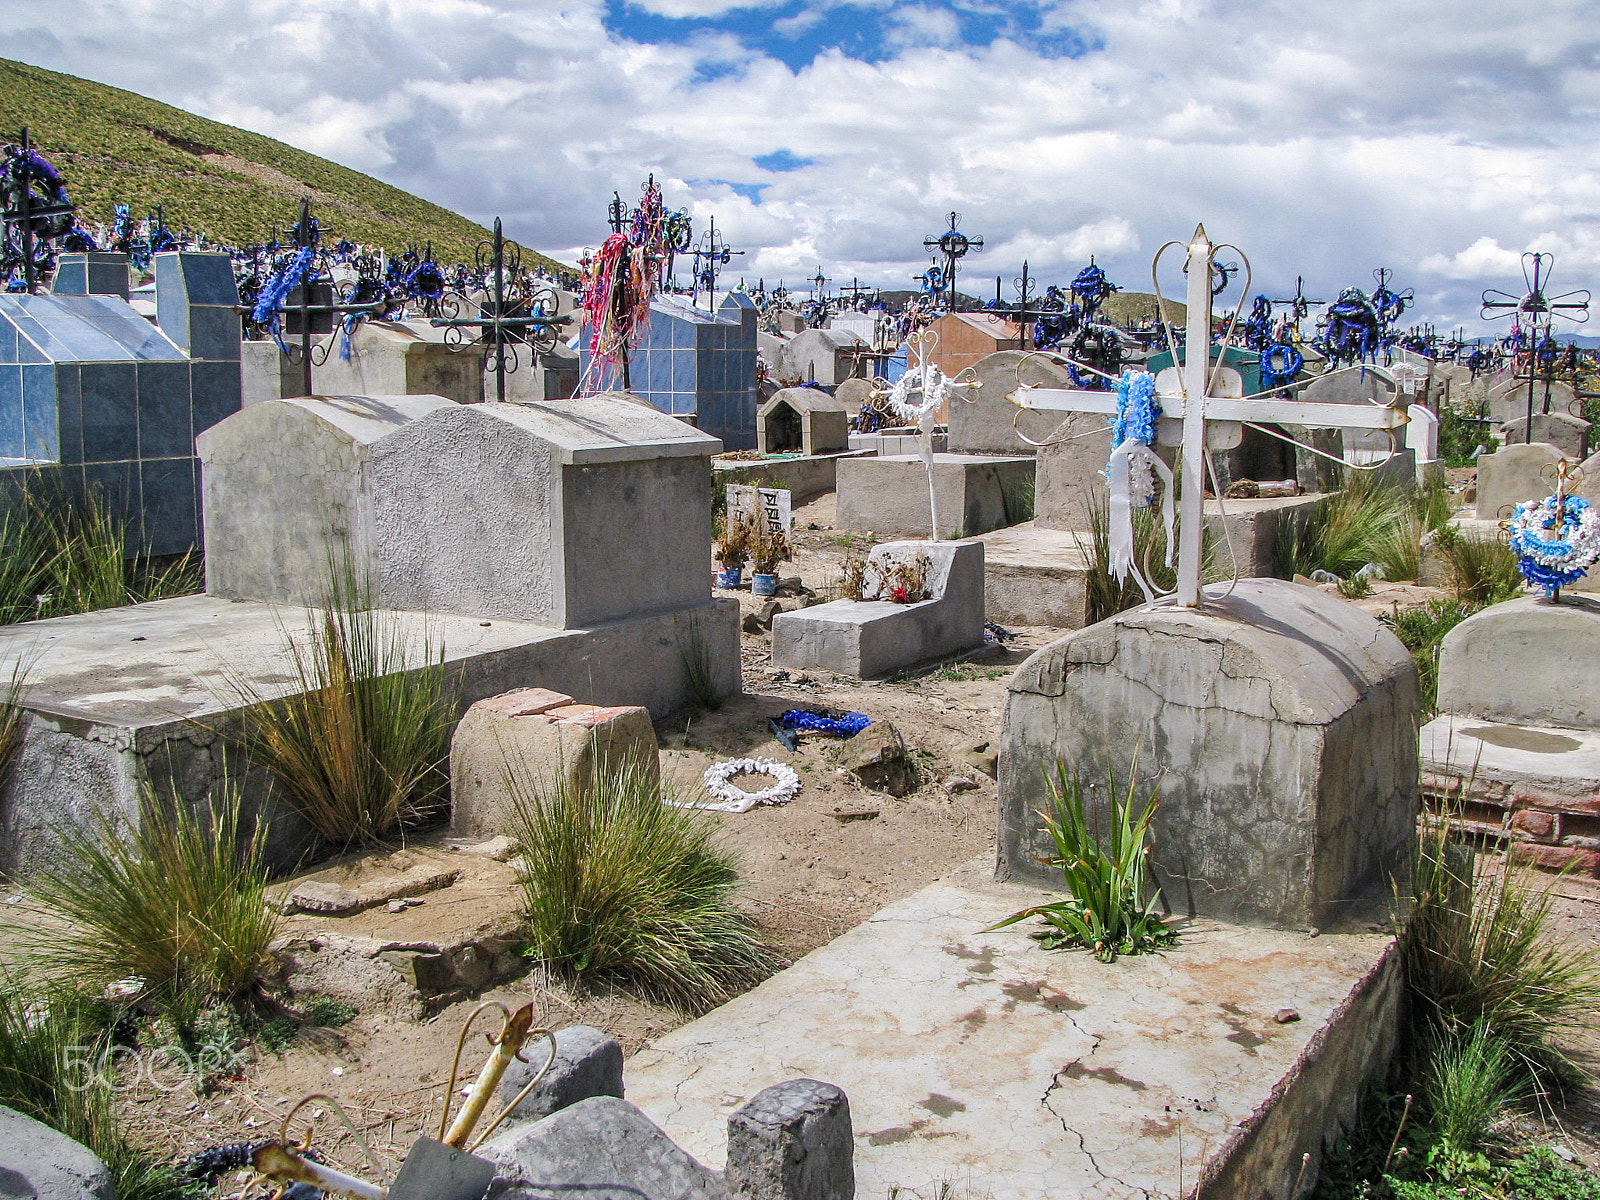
(729, 797)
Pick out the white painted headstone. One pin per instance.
(771, 504)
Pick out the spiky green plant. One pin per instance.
(1476, 949)
(620, 883)
(177, 902)
(1110, 909)
(1483, 570)
(1470, 1080)
(360, 743)
(699, 668)
(1366, 521)
(52, 1044)
(1421, 630)
(1105, 595)
(1434, 503)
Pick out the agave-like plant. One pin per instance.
(1111, 908)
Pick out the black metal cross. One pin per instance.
(303, 238)
(25, 212)
(504, 321)
(1299, 305)
(713, 254)
(955, 246)
(1540, 312)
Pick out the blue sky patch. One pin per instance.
(750, 191)
(781, 160)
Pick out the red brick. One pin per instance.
(1532, 821)
(1558, 858)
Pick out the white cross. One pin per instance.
(924, 378)
(1220, 402)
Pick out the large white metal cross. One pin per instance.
(1218, 400)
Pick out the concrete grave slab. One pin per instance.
(391, 358)
(806, 476)
(869, 639)
(889, 494)
(1508, 399)
(1511, 662)
(981, 420)
(1566, 433)
(1278, 723)
(38, 1163)
(1511, 475)
(981, 1060)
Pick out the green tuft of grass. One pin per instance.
(1106, 596)
(53, 1049)
(1483, 570)
(1365, 522)
(178, 902)
(1469, 1083)
(1111, 910)
(619, 883)
(278, 1034)
(699, 668)
(1421, 630)
(360, 744)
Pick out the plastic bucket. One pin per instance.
(730, 578)
(763, 585)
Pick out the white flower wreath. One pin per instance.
(735, 799)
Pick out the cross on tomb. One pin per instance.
(503, 321)
(1299, 304)
(24, 210)
(955, 246)
(306, 237)
(925, 380)
(1196, 394)
(712, 254)
(1540, 312)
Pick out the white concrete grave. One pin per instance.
(394, 358)
(872, 638)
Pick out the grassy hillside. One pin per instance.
(1128, 308)
(114, 146)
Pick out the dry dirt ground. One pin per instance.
(811, 870)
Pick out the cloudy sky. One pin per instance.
(1325, 138)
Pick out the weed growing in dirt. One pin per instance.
(620, 883)
(699, 668)
(178, 902)
(1365, 522)
(1111, 910)
(1421, 630)
(1483, 570)
(361, 744)
(330, 1013)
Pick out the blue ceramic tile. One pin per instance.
(108, 279)
(69, 412)
(11, 412)
(215, 393)
(167, 500)
(72, 278)
(8, 341)
(110, 412)
(164, 429)
(116, 485)
(213, 334)
(208, 278)
(84, 342)
(40, 436)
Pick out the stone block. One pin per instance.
(1512, 663)
(552, 742)
(1511, 475)
(803, 419)
(889, 494)
(1254, 529)
(1566, 433)
(391, 358)
(981, 421)
(1034, 576)
(265, 373)
(601, 1148)
(1068, 484)
(1508, 399)
(1278, 725)
(792, 1141)
(587, 1063)
(805, 476)
(37, 1163)
(877, 757)
(868, 639)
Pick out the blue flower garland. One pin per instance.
(846, 726)
(269, 305)
(1555, 564)
(1137, 409)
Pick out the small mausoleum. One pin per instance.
(95, 397)
(803, 420)
(699, 365)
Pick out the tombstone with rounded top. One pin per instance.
(1568, 434)
(1508, 399)
(983, 421)
(1511, 475)
(1278, 724)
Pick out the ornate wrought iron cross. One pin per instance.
(708, 257)
(1539, 311)
(24, 210)
(505, 320)
(954, 246)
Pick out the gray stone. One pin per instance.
(805, 476)
(1069, 484)
(854, 394)
(392, 358)
(792, 1141)
(804, 419)
(1508, 399)
(587, 1063)
(825, 356)
(877, 757)
(1513, 662)
(1566, 433)
(37, 1163)
(1318, 472)
(1034, 576)
(601, 1148)
(889, 494)
(869, 639)
(1511, 475)
(1277, 723)
(984, 421)
(265, 373)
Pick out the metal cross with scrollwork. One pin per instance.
(1202, 404)
(505, 320)
(954, 246)
(1539, 311)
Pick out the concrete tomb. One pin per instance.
(394, 358)
(826, 356)
(1516, 744)
(803, 420)
(1566, 433)
(1511, 475)
(559, 545)
(1278, 724)
(872, 638)
(889, 494)
(95, 398)
(984, 421)
(1508, 399)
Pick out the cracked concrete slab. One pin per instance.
(983, 1060)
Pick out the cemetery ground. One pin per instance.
(811, 870)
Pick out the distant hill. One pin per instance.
(1130, 308)
(114, 146)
